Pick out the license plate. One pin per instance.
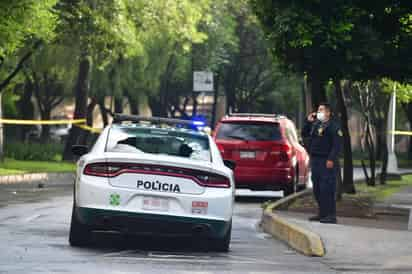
(155, 204)
(199, 207)
(247, 154)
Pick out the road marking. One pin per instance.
(254, 260)
(176, 256)
(119, 253)
(193, 261)
(33, 217)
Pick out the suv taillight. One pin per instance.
(282, 152)
(221, 149)
(114, 169)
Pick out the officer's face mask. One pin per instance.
(320, 116)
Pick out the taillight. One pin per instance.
(221, 149)
(213, 180)
(102, 169)
(114, 169)
(282, 152)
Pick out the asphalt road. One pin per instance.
(34, 227)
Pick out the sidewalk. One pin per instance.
(369, 246)
(361, 248)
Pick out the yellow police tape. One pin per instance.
(41, 122)
(400, 132)
(81, 123)
(91, 129)
(76, 122)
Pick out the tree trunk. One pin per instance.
(103, 111)
(90, 109)
(133, 102)
(348, 186)
(384, 164)
(77, 135)
(156, 107)
(45, 129)
(371, 154)
(118, 104)
(195, 104)
(317, 88)
(26, 109)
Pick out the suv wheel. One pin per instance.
(293, 186)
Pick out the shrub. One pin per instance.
(34, 151)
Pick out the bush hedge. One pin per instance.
(34, 151)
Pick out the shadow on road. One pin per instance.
(254, 199)
(117, 242)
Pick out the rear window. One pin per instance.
(249, 131)
(159, 141)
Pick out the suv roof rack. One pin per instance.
(255, 115)
(119, 118)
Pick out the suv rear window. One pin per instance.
(249, 131)
(159, 141)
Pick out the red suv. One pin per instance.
(266, 150)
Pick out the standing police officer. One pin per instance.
(325, 138)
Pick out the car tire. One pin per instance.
(80, 234)
(292, 187)
(223, 244)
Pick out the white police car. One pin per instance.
(145, 178)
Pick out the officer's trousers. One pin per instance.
(324, 186)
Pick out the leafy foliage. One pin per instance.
(34, 151)
(23, 20)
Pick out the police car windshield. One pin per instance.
(172, 142)
(247, 131)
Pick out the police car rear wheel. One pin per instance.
(80, 234)
(223, 244)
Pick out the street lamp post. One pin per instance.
(392, 161)
(1, 129)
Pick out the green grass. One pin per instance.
(5, 171)
(403, 161)
(11, 166)
(381, 192)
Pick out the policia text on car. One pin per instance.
(324, 143)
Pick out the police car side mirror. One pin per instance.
(79, 150)
(230, 164)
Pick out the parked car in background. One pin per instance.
(60, 132)
(266, 150)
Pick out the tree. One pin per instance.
(23, 22)
(338, 40)
(101, 32)
(373, 103)
(49, 74)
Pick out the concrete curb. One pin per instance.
(28, 178)
(301, 239)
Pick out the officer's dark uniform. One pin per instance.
(324, 143)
